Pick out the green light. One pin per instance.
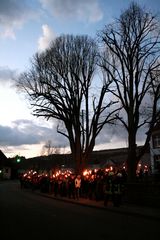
(18, 160)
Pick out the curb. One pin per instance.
(130, 210)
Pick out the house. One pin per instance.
(5, 169)
(155, 149)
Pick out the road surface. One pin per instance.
(26, 215)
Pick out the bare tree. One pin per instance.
(60, 85)
(132, 44)
(47, 148)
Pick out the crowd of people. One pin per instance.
(98, 185)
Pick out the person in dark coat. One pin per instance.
(117, 190)
(108, 188)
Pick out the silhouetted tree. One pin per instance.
(60, 85)
(49, 149)
(132, 48)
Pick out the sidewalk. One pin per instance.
(125, 208)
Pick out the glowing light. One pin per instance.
(111, 168)
(85, 173)
(18, 160)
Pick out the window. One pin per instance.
(157, 162)
(156, 141)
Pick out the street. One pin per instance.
(26, 215)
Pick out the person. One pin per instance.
(99, 194)
(108, 188)
(117, 190)
(21, 179)
(77, 186)
(71, 186)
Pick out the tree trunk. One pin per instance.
(81, 161)
(132, 158)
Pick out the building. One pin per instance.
(102, 159)
(5, 168)
(155, 149)
(115, 158)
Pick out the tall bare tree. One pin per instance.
(132, 44)
(60, 85)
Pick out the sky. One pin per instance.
(27, 27)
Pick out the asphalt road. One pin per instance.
(26, 215)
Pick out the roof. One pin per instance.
(3, 159)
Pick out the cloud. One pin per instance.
(111, 134)
(26, 136)
(45, 40)
(27, 132)
(13, 14)
(7, 75)
(83, 10)
(116, 136)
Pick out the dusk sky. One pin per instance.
(26, 27)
